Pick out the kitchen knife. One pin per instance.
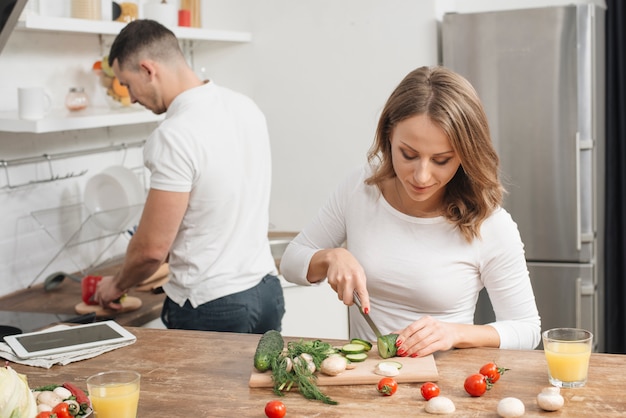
(367, 318)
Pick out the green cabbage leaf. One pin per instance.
(16, 398)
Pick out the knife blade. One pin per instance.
(357, 302)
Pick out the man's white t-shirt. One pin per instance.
(214, 144)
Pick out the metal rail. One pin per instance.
(59, 156)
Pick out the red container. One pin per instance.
(88, 287)
(184, 17)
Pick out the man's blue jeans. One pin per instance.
(255, 311)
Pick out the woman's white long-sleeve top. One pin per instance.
(421, 266)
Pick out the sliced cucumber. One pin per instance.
(366, 344)
(395, 364)
(357, 357)
(353, 348)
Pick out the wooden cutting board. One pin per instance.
(130, 303)
(419, 369)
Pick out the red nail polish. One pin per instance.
(414, 355)
(401, 352)
(399, 342)
(366, 310)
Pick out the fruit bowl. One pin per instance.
(117, 94)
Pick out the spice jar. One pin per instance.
(76, 99)
(129, 11)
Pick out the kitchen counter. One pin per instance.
(206, 374)
(64, 298)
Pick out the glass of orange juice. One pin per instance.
(114, 394)
(567, 352)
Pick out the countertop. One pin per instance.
(64, 298)
(206, 374)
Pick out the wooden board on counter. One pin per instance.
(129, 303)
(419, 369)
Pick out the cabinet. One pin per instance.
(62, 120)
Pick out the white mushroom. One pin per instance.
(550, 399)
(440, 405)
(511, 408)
(333, 365)
(62, 392)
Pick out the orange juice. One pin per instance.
(568, 362)
(115, 400)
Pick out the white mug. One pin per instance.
(33, 102)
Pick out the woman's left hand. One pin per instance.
(425, 336)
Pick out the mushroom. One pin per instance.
(550, 399)
(440, 405)
(333, 365)
(511, 408)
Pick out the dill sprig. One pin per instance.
(300, 374)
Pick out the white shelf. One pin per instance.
(64, 120)
(65, 24)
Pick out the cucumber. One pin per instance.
(268, 349)
(395, 364)
(366, 344)
(387, 345)
(357, 357)
(353, 348)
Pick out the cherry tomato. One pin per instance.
(492, 372)
(275, 409)
(387, 386)
(429, 390)
(476, 384)
(62, 410)
(44, 414)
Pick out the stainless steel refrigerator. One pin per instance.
(540, 75)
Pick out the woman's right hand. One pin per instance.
(343, 272)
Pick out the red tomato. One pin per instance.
(492, 372)
(387, 386)
(275, 409)
(44, 414)
(476, 384)
(62, 410)
(429, 390)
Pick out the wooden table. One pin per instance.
(205, 374)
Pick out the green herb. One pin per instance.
(300, 374)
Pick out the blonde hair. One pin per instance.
(451, 102)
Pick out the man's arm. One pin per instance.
(149, 246)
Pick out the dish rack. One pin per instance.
(74, 225)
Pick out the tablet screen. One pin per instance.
(49, 342)
(67, 337)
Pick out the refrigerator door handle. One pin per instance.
(580, 147)
(578, 220)
(581, 290)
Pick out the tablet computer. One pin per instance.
(72, 338)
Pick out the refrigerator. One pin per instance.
(540, 75)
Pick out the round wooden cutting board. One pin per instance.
(130, 303)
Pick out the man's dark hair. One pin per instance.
(141, 38)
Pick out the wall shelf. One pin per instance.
(65, 24)
(62, 120)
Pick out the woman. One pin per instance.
(419, 231)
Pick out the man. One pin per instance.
(207, 210)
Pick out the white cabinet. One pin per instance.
(95, 117)
(314, 312)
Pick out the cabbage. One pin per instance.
(16, 399)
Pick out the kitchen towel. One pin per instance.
(65, 358)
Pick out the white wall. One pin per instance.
(320, 70)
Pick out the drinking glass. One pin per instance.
(567, 353)
(114, 394)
